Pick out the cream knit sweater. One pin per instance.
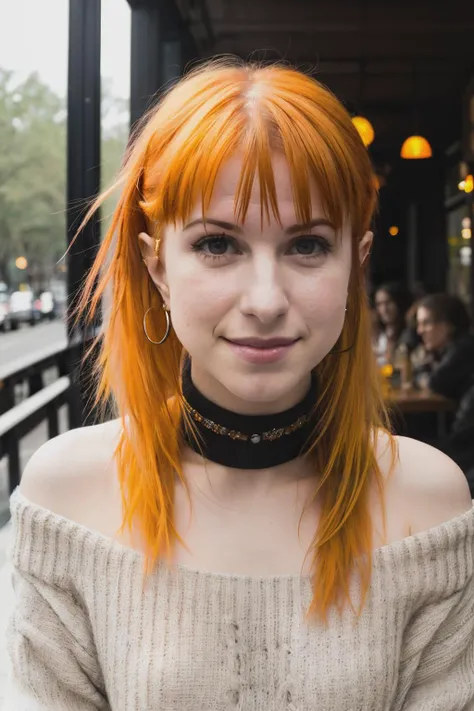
(88, 633)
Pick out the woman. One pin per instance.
(246, 535)
(392, 302)
(448, 369)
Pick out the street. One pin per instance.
(16, 344)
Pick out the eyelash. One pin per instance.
(324, 244)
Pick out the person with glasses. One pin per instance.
(444, 326)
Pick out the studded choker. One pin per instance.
(245, 441)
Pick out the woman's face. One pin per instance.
(257, 308)
(435, 335)
(386, 307)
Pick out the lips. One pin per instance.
(261, 351)
(262, 343)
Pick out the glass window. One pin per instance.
(460, 252)
(115, 104)
(33, 86)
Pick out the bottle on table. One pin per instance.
(402, 365)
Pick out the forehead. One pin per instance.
(382, 297)
(226, 188)
(423, 313)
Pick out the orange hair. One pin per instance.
(173, 160)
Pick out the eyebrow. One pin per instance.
(317, 222)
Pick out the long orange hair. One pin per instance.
(173, 160)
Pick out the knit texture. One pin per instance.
(90, 632)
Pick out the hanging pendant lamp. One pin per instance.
(416, 148)
(362, 124)
(364, 128)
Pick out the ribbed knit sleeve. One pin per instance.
(54, 666)
(444, 676)
(436, 670)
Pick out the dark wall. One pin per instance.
(412, 199)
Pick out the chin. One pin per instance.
(268, 391)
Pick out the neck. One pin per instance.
(246, 442)
(214, 391)
(229, 482)
(391, 331)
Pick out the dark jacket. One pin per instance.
(453, 374)
(453, 377)
(459, 444)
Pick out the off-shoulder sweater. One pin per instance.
(90, 631)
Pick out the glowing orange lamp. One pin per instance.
(416, 148)
(21, 263)
(365, 129)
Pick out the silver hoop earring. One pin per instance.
(168, 326)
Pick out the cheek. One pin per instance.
(324, 298)
(198, 298)
(440, 334)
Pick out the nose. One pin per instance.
(263, 295)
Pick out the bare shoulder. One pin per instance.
(426, 485)
(70, 474)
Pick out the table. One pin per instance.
(419, 401)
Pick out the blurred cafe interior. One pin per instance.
(405, 71)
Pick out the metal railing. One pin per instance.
(19, 418)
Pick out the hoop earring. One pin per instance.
(168, 326)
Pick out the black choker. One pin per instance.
(246, 441)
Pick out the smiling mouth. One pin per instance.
(261, 351)
(262, 343)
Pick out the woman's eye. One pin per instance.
(216, 246)
(310, 247)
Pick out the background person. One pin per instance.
(392, 301)
(448, 369)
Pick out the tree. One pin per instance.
(32, 174)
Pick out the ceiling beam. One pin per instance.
(324, 47)
(313, 25)
(381, 66)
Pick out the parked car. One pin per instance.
(46, 305)
(23, 309)
(5, 314)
